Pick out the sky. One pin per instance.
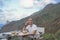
(13, 10)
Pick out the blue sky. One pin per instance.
(57, 0)
(13, 10)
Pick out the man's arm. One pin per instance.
(33, 32)
(25, 25)
(24, 28)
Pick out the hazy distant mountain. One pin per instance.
(1, 25)
(49, 18)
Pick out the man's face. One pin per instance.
(30, 21)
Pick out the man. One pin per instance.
(31, 28)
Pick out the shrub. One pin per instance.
(57, 35)
(48, 37)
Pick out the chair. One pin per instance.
(41, 31)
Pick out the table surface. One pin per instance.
(21, 34)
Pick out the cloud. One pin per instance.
(33, 3)
(17, 9)
(1, 4)
(2, 19)
(43, 3)
(50, 1)
(26, 3)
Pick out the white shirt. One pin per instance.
(30, 29)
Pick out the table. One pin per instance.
(20, 34)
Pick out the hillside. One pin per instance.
(49, 18)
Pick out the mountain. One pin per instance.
(1, 25)
(49, 18)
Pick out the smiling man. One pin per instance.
(31, 28)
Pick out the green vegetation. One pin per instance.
(48, 36)
(57, 35)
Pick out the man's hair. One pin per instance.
(30, 18)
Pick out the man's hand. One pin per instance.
(33, 32)
(26, 23)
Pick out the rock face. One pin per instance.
(49, 18)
